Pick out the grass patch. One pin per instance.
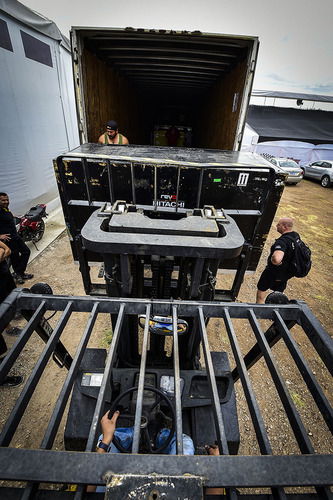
(107, 337)
(297, 399)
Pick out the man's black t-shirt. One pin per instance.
(7, 223)
(284, 243)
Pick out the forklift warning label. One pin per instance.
(243, 179)
(92, 379)
(169, 200)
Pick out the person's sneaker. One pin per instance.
(18, 278)
(12, 381)
(13, 331)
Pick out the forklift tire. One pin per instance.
(276, 298)
(41, 288)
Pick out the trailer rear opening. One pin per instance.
(149, 80)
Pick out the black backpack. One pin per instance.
(300, 263)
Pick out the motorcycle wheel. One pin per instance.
(40, 231)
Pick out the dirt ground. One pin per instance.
(311, 207)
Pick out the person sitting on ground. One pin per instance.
(112, 135)
(277, 272)
(6, 286)
(20, 252)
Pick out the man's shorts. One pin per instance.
(268, 281)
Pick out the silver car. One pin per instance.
(295, 173)
(321, 170)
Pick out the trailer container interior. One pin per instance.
(149, 80)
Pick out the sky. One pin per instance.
(296, 36)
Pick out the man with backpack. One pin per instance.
(289, 257)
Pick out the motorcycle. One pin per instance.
(31, 226)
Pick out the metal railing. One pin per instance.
(301, 469)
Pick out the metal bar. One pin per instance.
(110, 179)
(222, 53)
(155, 187)
(51, 466)
(320, 339)
(176, 374)
(258, 423)
(315, 389)
(244, 259)
(80, 492)
(106, 376)
(177, 189)
(125, 273)
(196, 279)
(7, 308)
(200, 187)
(133, 184)
(29, 491)
(20, 406)
(15, 351)
(139, 401)
(138, 306)
(272, 336)
(143, 58)
(60, 405)
(86, 179)
(219, 425)
(296, 423)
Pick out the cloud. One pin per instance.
(321, 88)
(313, 88)
(277, 78)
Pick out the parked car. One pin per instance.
(321, 170)
(295, 173)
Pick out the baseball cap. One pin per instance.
(112, 125)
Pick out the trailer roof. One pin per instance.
(173, 60)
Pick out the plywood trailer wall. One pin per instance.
(108, 96)
(219, 112)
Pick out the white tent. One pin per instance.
(250, 139)
(302, 152)
(322, 152)
(38, 115)
(297, 150)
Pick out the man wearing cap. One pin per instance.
(112, 136)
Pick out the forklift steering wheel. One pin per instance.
(149, 442)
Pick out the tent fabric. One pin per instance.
(35, 20)
(273, 123)
(250, 139)
(292, 95)
(302, 152)
(38, 118)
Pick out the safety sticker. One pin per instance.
(92, 379)
(242, 179)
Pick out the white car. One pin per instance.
(295, 173)
(321, 170)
